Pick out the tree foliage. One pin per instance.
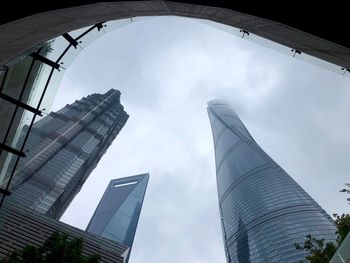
(56, 249)
(347, 191)
(343, 227)
(321, 251)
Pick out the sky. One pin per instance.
(167, 69)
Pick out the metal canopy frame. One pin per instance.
(55, 65)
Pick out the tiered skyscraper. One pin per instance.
(118, 212)
(63, 149)
(263, 210)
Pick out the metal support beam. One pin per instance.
(296, 52)
(12, 150)
(20, 104)
(99, 26)
(71, 40)
(245, 32)
(4, 191)
(45, 61)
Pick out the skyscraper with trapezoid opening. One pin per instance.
(118, 212)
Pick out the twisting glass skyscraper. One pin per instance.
(63, 149)
(263, 210)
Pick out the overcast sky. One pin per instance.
(167, 69)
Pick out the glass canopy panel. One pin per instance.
(7, 110)
(5, 159)
(15, 79)
(20, 131)
(289, 51)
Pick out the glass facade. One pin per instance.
(62, 150)
(263, 210)
(118, 212)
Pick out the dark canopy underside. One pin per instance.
(319, 30)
